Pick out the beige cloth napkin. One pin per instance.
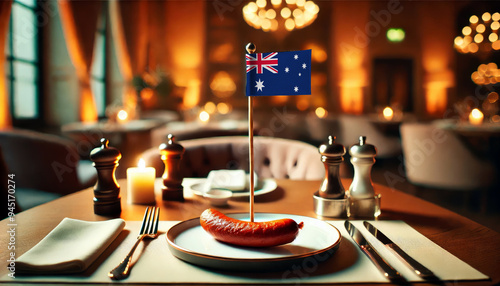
(70, 247)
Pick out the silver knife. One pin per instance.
(387, 270)
(419, 269)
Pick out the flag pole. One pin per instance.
(251, 49)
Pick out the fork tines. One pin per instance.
(150, 221)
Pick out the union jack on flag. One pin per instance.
(279, 73)
(260, 63)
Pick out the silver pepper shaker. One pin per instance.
(330, 199)
(362, 158)
(332, 156)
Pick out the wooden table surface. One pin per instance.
(471, 242)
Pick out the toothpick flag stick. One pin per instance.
(292, 76)
(251, 49)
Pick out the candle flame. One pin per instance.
(388, 113)
(141, 164)
(476, 116)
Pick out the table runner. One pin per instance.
(348, 265)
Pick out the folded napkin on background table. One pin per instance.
(233, 180)
(70, 247)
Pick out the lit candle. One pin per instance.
(388, 113)
(141, 184)
(476, 117)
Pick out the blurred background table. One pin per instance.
(130, 137)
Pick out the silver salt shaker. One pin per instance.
(363, 200)
(362, 158)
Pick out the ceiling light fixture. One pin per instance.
(277, 15)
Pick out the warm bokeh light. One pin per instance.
(486, 74)
(223, 108)
(466, 30)
(318, 54)
(495, 118)
(222, 85)
(210, 107)
(302, 104)
(388, 113)
(486, 17)
(476, 117)
(492, 97)
(480, 28)
(493, 37)
(321, 112)
(478, 38)
(480, 35)
(495, 16)
(204, 116)
(122, 116)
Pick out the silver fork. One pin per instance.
(149, 229)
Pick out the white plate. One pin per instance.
(317, 240)
(263, 187)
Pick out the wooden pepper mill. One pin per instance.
(171, 155)
(106, 191)
(332, 156)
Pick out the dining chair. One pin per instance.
(436, 157)
(45, 166)
(273, 157)
(353, 126)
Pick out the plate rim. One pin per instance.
(171, 243)
(242, 194)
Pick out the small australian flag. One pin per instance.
(279, 73)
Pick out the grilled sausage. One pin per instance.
(245, 233)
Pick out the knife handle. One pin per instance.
(389, 272)
(421, 270)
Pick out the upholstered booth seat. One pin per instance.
(274, 157)
(45, 166)
(435, 157)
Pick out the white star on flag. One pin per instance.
(287, 69)
(296, 56)
(260, 85)
(296, 89)
(304, 65)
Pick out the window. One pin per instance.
(98, 72)
(23, 64)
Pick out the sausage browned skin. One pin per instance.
(245, 233)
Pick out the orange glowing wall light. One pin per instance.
(350, 48)
(437, 54)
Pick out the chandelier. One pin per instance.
(481, 35)
(277, 15)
